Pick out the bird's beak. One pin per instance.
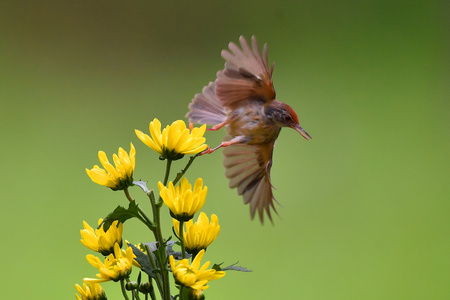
(300, 130)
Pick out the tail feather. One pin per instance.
(205, 108)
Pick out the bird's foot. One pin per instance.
(207, 151)
(217, 126)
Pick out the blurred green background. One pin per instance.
(364, 205)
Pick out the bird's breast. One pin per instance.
(250, 120)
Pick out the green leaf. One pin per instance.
(121, 214)
(232, 267)
(144, 261)
(139, 278)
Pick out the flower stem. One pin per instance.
(156, 217)
(124, 292)
(165, 292)
(156, 207)
(152, 291)
(166, 177)
(181, 235)
(146, 220)
(181, 174)
(180, 295)
(154, 266)
(127, 194)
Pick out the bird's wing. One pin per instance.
(205, 108)
(246, 75)
(248, 168)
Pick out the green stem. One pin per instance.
(145, 219)
(194, 254)
(181, 174)
(161, 255)
(166, 177)
(124, 292)
(127, 194)
(180, 295)
(181, 236)
(156, 217)
(152, 291)
(154, 266)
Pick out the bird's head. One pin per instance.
(284, 116)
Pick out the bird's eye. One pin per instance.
(287, 118)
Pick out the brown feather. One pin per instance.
(246, 75)
(242, 99)
(248, 168)
(205, 108)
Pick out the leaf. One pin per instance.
(176, 254)
(144, 261)
(232, 267)
(142, 185)
(139, 278)
(121, 214)
(157, 252)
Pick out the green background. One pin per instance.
(364, 205)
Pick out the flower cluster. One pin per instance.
(183, 201)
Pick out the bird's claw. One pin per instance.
(207, 151)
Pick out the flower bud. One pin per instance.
(132, 285)
(196, 294)
(145, 287)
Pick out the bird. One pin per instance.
(243, 100)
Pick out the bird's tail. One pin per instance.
(205, 108)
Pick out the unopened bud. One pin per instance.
(196, 294)
(131, 285)
(145, 287)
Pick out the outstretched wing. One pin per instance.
(205, 108)
(248, 168)
(246, 74)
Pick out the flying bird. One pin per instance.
(242, 98)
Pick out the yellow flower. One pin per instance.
(116, 178)
(175, 140)
(200, 235)
(182, 201)
(192, 275)
(135, 262)
(102, 241)
(116, 265)
(92, 292)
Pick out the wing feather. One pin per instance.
(205, 108)
(248, 169)
(246, 74)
